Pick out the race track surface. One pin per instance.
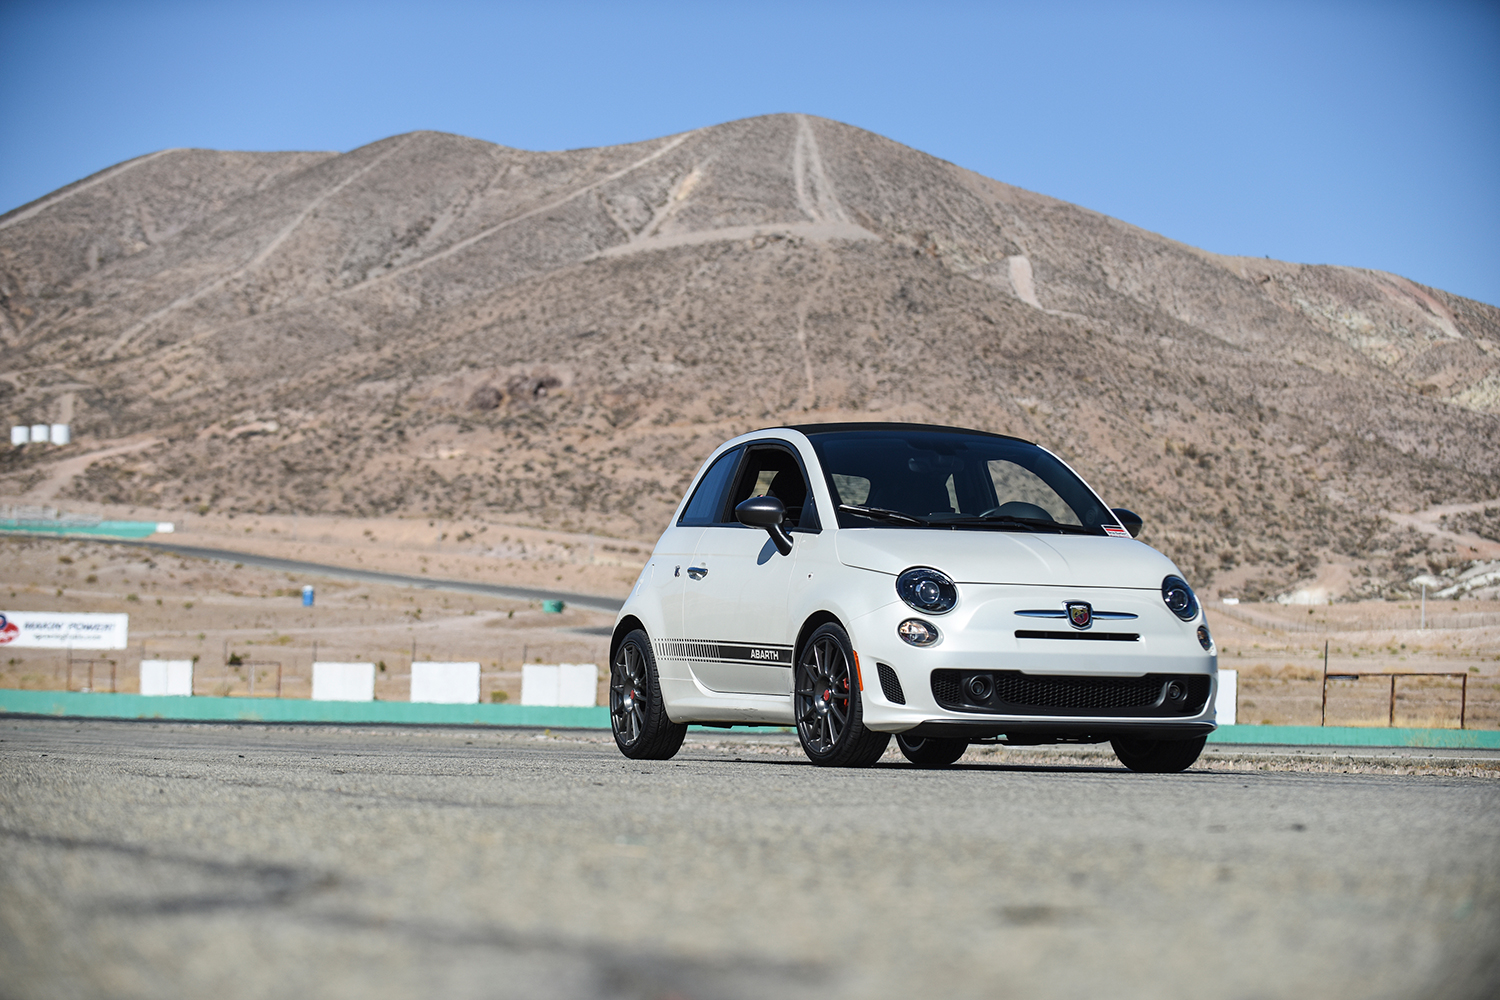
(179, 860)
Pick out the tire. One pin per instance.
(830, 712)
(930, 752)
(1158, 756)
(637, 712)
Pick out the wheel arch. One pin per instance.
(811, 624)
(624, 627)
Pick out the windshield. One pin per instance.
(931, 478)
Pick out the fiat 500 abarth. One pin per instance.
(941, 585)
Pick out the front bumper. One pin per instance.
(1042, 689)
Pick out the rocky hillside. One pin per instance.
(436, 325)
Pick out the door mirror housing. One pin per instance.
(767, 513)
(1130, 519)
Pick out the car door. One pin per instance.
(674, 553)
(735, 603)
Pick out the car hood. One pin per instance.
(1007, 557)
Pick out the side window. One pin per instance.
(708, 498)
(775, 472)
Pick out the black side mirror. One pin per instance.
(1130, 519)
(768, 513)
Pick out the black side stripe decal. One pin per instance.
(724, 652)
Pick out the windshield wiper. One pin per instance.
(1029, 523)
(881, 514)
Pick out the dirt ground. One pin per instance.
(1281, 670)
(239, 621)
(222, 613)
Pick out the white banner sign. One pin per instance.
(55, 630)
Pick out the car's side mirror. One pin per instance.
(767, 513)
(1130, 519)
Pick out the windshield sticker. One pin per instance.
(1116, 531)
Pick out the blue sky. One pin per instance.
(1348, 133)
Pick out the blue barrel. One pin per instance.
(553, 607)
(307, 596)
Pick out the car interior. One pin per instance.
(773, 472)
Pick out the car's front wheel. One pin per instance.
(1158, 756)
(637, 712)
(830, 714)
(930, 752)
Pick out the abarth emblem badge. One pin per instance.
(1080, 614)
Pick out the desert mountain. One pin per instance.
(433, 325)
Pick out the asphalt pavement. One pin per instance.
(188, 860)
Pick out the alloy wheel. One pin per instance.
(628, 693)
(823, 690)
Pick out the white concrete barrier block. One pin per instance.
(445, 683)
(167, 677)
(20, 434)
(571, 684)
(343, 681)
(41, 433)
(539, 684)
(577, 684)
(1226, 703)
(61, 434)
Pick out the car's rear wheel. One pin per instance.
(830, 713)
(930, 752)
(637, 713)
(1158, 756)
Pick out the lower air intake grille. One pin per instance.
(1076, 692)
(945, 688)
(890, 685)
(1013, 693)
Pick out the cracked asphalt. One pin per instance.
(180, 860)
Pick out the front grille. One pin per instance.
(890, 684)
(1032, 633)
(1011, 692)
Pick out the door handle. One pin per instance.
(697, 572)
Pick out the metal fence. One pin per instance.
(1388, 620)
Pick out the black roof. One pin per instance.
(878, 425)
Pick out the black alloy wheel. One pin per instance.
(637, 713)
(931, 752)
(830, 713)
(1158, 756)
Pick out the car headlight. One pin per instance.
(1180, 598)
(926, 589)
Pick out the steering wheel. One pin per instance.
(1018, 508)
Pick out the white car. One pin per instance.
(947, 586)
